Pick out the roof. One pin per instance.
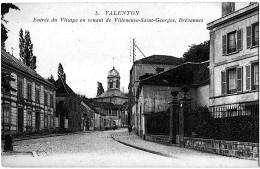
(13, 62)
(112, 93)
(105, 105)
(113, 73)
(63, 89)
(233, 15)
(190, 73)
(160, 59)
(91, 106)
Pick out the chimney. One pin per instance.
(227, 8)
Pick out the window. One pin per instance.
(158, 70)
(29, 118)
(29, 91)
(255, 76)
(110, 84)
(231, 80)
(7, 114)
(232, 47)
(20, 88)
(232, 42)
(252, 35)
(45, 98)
(255, 34)
(51, 100)
(252, 76)
(46, 121)
(37, 95)
(117, 84)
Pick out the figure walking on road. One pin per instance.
(129, 129)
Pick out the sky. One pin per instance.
(86, 49)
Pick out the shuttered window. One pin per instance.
(232, 81)
(248, 36)
(248, 77)
(255, 76)
(239, 79)
(7, 114)
(255, 34)
(239, 39)
(29, 91)
(224, 45)
(20, 88)
(223, 82)
(232, 47)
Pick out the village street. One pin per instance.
(99, 149)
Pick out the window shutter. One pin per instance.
(248, 36)
(239, 79)
(223, 82)
(239, 39)
(224, 45)
(248, 77)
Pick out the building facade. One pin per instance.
(74, 113)
(111, 103)
(154, 96)
(150, 65)
(31, 108)
(234, 62)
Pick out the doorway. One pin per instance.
(20, 119)
(38, 121)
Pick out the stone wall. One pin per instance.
(158, 138)
(228, 148)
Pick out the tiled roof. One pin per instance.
(186, 74)
(12, 61)
(112, 93)
(63, 89)
(159, 59)
(105, 105)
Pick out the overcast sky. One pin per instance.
(86, 50)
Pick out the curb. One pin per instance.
(146, 150)
(45, 136)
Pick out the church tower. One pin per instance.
(113, 79)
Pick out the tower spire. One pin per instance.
(113, 62)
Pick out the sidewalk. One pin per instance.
(198, 158)
(28, 149)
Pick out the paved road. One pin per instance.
(95, 149)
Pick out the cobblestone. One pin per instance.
(99, 149)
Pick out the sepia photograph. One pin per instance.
(130, 84)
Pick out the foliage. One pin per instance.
(51, 79)
(6, 78)
(26, 49)
(5, 7)
(100, 89)
(197, 53)
(61, 74)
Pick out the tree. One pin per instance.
(61, 74)
(100, 89)
(26, 49)
(5, 7)
(197, 53)
(51, 79)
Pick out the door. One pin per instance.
(20, 119)
(38, 121)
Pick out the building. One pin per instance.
(73, 112)
(31, 108)
(150, 65)
(234, 62)
(111, 102)
(154, 96)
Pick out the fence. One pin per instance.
(233, 122)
